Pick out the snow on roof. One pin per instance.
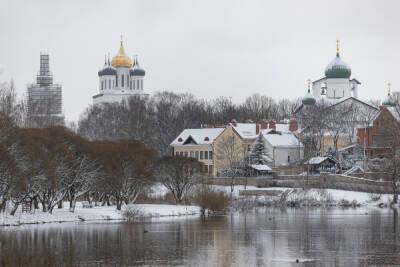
(282, 127)
(281, 139)
(318, 160)
(246, 130)
(261, 167)
(202, 136)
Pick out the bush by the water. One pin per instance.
(210, 199)
(130, 212)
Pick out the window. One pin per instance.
(109, 84)
(205, 168)
(210, 154)
(205, 154)
(197, 154)
(186, 154)
(116, 81)
(133, 82)
(201, 154)
(210, 169)
(288, 158)
(137, 84)
(141, 84)
(191, 154)
(181, 154)
(101, 85)
(122, 81)
(177, 153)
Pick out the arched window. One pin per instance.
(122, 81)
(133, 82)
(141, 84)
(116, 81)
(101, 85)
(137, 84)
(109, 84)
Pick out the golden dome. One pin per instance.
(121, 59)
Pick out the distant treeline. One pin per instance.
(158, 120)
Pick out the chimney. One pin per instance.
(264, 124)
(293, 126)
(258, 127)
(272, 124)
(234, 122)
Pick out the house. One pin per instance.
(209, 145)
(375, 138)
(322, 164)
(284, 148)
(199, 144)
(259, 170)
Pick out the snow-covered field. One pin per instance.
(95, 214)
(319, 194)
(334, 195)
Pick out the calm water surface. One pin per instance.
(262, 237)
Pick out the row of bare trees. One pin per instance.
(158, 120)
(51, 165)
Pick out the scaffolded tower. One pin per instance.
(44, 99)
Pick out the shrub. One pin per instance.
(374, 197)
(210, 199)
(130, 212)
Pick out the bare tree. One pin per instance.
(229, 152)
(178, 174)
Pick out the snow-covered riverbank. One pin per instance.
(95, 214)
(316, 196)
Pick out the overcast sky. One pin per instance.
(208, 48)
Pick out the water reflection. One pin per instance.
(262, 237)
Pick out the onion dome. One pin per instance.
(388, 102)
(137, 70)
(308, 99)
(337, 68)
(107, 69)
(121, 59)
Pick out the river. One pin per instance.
(260, 237)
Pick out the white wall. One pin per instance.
(336, 88)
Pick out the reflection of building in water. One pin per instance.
(44, 99)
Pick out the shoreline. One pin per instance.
(104, 214)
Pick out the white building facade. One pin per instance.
(120, 79)
(284, 148)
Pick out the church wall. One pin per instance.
(338, 88)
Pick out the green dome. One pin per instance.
(308, 99)
(388, 102)
(337, 69)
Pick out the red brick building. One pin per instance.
(376, 138)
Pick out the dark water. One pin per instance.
(264, 237)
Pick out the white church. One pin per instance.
(336, 88)
(120, 79)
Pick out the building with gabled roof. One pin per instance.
(375, 139)
(205, 144)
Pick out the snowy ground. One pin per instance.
(333, 194)
(319, 194)
(94, 214)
